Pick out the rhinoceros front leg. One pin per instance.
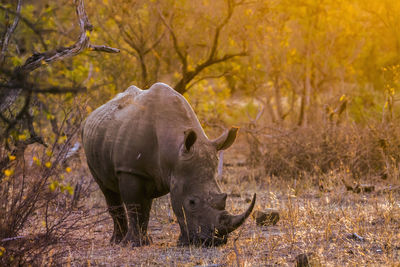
(135, 193)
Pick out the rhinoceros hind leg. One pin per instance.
(116, 210)
(134, 193)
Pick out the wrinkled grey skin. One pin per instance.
(144, 144)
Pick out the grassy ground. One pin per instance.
(317, 216)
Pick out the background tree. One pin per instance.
(32, 112)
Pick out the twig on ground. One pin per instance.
(236, 250)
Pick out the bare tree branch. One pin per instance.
(40, 59)
(181, 86)
(83, 43)
(49, 90)
(207, 77)
(151, 47)
(29, 24)
(187, 76)
(225, 21)
(182, 55)
(8, 32)
(18, 84)
(139, 44)
(103, 48)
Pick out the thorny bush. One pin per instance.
(36, 191)
(362, 151)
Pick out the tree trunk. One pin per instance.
(305, 99)
(278, 98)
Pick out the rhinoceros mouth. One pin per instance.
(204, 241)
(216, 235)
(215, 241)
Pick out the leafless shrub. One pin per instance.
(363, 152)
(33, 193)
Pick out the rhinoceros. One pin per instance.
(144, 144)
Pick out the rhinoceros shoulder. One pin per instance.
(106, 112)
(125, 98)
(163, 89)
(172, 107)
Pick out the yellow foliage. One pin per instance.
(47, 164)
(53, 185)
(209, 101)
(62, 139)
(12, 157)
(63, 187)
(70, 190)
(8, 172)
(68, 169)
(190, 67)
(50, 117)
(2, 251)
(36, 160)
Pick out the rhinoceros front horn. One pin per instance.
(228, 223)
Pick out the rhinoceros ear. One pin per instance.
(226, 139)
(190, 139)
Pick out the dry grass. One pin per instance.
(327, 222)
(319, 215)
(364, 152)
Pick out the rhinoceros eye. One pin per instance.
(192, 203)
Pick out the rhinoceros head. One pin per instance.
(196, 197)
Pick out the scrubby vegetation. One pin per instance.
(313, 86)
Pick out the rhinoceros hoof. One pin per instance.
(116, 239)
(305, 259)
(136, 242)
(267, 217)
